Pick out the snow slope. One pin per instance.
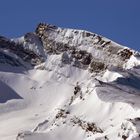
(68, 84)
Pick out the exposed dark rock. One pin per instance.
(17, 49)
(86, 60)
(42, 27)
(87, 126)
(96, 66)
(105, 43)
(125, 53)
(99, 39)
(112, 49)
(106, 138)
(6, 59)
(76, 32)
(77, 89)
(124, 137)
(41, 124)
(61, 114)
(88, 34)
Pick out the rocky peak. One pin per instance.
(81, 48)
(78, 48)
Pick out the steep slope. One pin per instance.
(59, 84)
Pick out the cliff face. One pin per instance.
(68, 84)
(82, 47)
(77, 47)
(16, 54)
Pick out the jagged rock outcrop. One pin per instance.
(14, 53)
(81, 48)
(97, 66)
(125, 53)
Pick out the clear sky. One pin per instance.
(118, 20)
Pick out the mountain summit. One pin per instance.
(68, 84)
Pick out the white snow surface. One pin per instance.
(40, 104)
(132, 62)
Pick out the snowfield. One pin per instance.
(68, 85)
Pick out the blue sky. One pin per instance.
(118, 20)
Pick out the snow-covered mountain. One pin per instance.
(68, 84)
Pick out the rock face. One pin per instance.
(96, 66)
(14, 53)
(79, 48)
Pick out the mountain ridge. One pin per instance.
(81, 45)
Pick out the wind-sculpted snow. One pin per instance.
(131, 81)
(68, 84)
